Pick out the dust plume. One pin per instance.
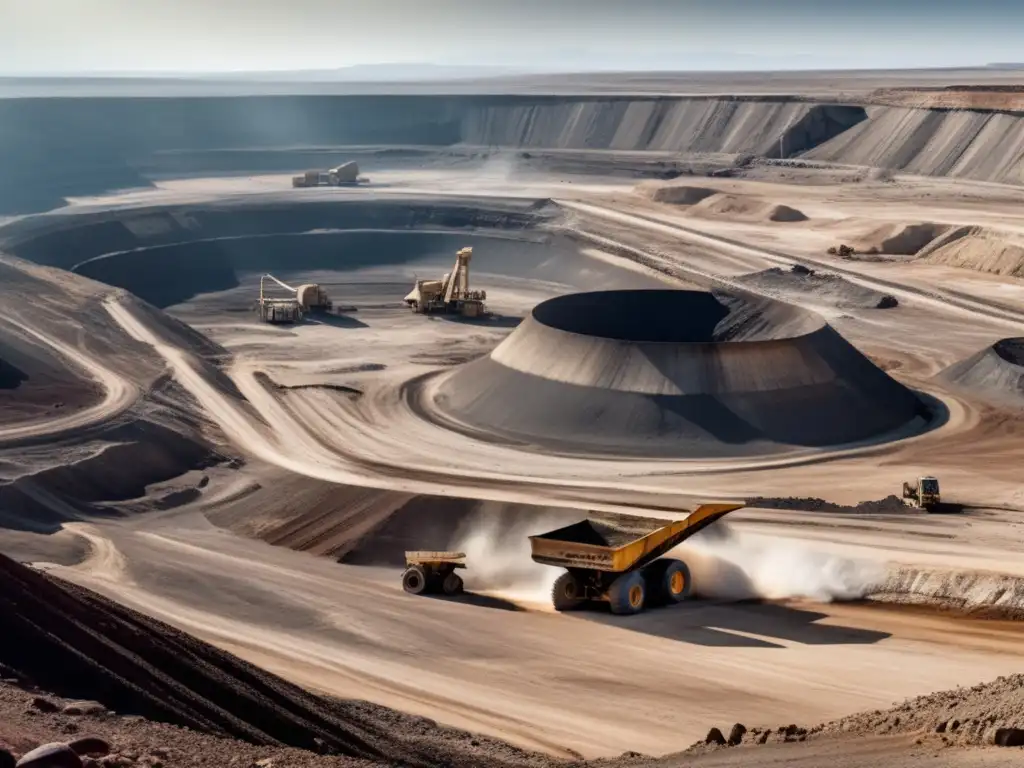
(498, 168)
(498, 553)
(728, 564)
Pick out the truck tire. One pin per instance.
(452, 584)
(566, 594)
(414, 580)
(627, 594)
(676, 584)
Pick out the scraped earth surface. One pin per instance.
(279, 472)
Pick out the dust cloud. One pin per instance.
(498, 555)
(727, 564)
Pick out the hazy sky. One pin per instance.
(52, 36)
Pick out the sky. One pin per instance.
(203, 36)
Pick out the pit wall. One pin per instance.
(54, 148)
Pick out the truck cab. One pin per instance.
(928, 491)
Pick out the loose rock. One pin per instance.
(714, 737)
(1008, 737)
(54, 755)
(736, 734)
(80, 708)
(43, 704)
(90, 746)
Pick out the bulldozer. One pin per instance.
(450, 294)
(922, 493)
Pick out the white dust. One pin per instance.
(499, 561)
(729, 564)
(725, 563)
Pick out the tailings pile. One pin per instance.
(685, 374)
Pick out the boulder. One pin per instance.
(54, 755)
(714, 737)
(90, 746)
(1008, 737)
(736, 734)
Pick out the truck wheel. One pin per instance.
(676, 584)
(452, 584)
(628, 594)
(414, 580)
(566, 593)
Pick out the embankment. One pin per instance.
(78, 644)
(980, 145)
(167, 254)
(53, 148)
(60, 147)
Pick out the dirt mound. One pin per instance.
(681, 373)
(743, 208)
(978, 249)
(785, 213)
(889, 505)
(996, 372)
(78, 644)
(829, 289)
(899, 239)
(675, 194)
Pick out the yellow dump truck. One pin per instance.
(433, 572)
(619, 560)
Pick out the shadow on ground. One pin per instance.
(494, 321)
(337, 321)
(735, 625)
(480, 601)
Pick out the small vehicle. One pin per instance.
(923, 493)
(433, 573)
(619, 560)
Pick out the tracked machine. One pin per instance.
(450, 294)
(923, 493)
(619, 561)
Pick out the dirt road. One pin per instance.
(587, 682)
(118, 393)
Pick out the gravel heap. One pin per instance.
(891, 504)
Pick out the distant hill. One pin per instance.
(372, 73)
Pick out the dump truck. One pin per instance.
(619, 560)
(450, 294)
(923, 493)
(433, 572)
(346, 174)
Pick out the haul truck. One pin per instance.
(621, 562)
(433, 572)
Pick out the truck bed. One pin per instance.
(621, 543)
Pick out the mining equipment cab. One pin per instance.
(450, 294)
(619, 560)
(313, 298)
(433, 573)
(308, 298)
(923, 493)
(346, 174)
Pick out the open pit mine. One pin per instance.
(583, 426)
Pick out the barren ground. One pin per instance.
(326, 408)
